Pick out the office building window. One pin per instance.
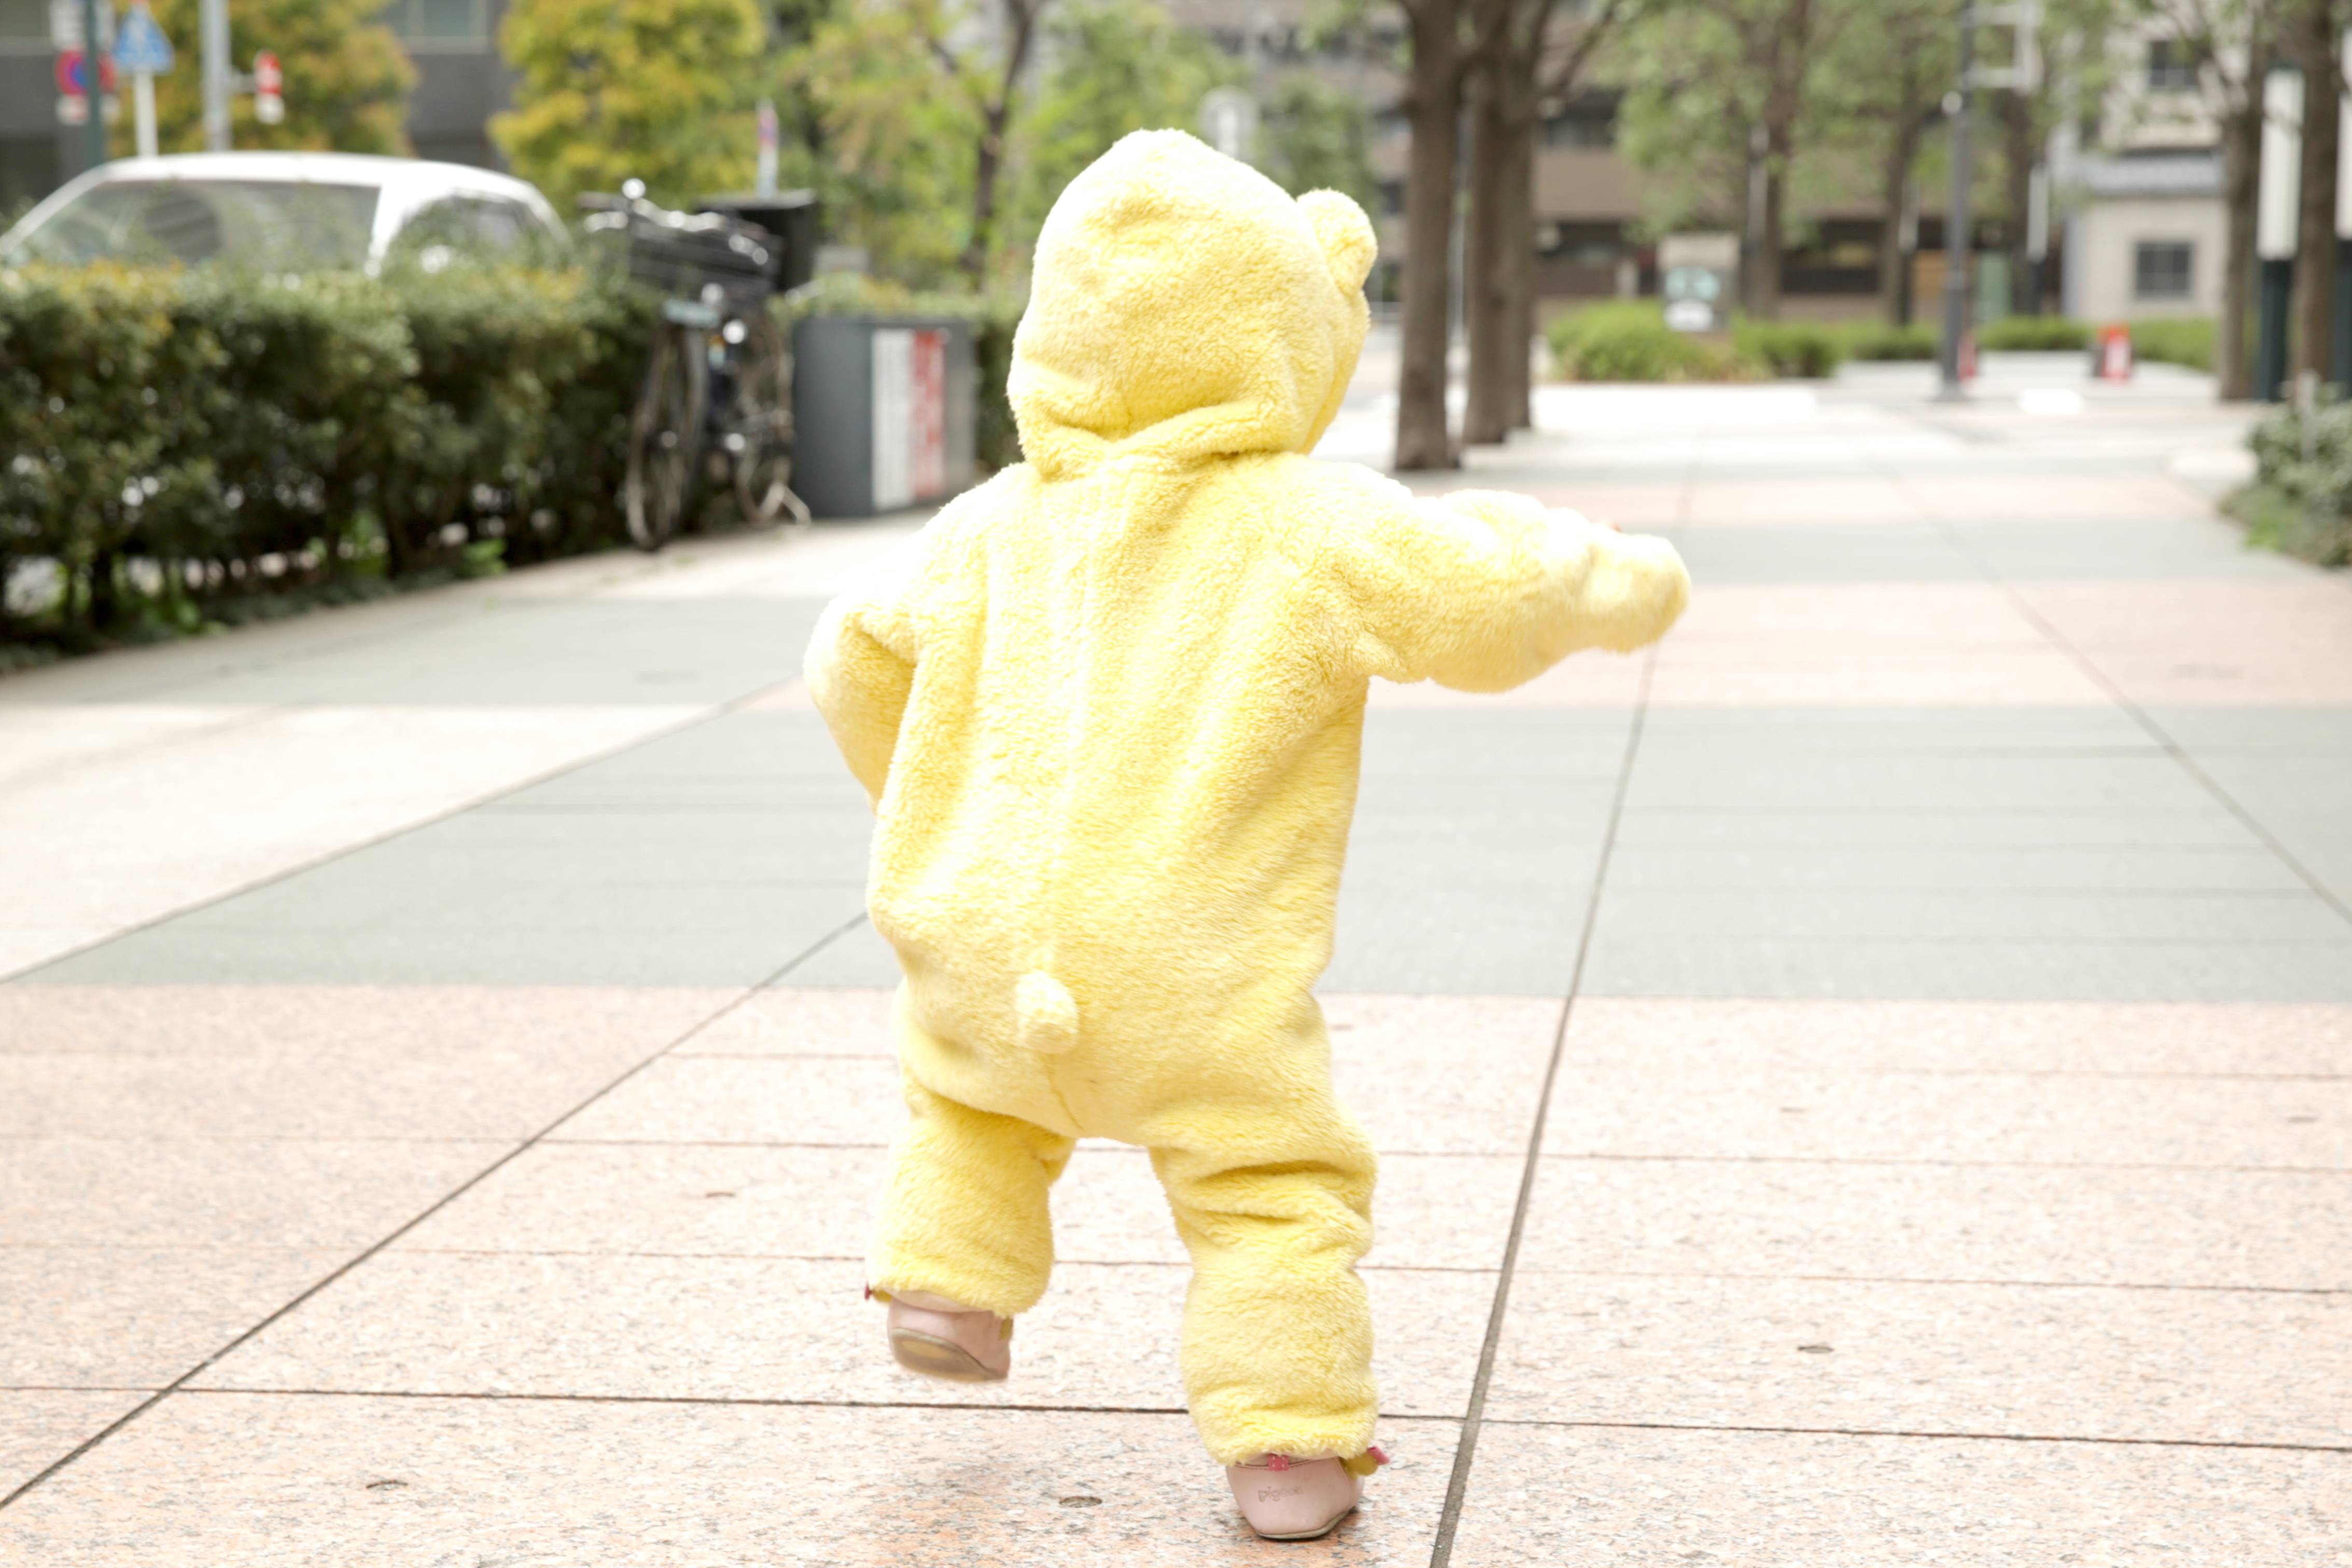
(2161, 269)
(2170, 66)
(439, 21)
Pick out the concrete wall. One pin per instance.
(2099, 278)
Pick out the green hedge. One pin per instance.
(188, 448)
(2298, 503)
(1805, 350)
(183, 446)
(2040, 334)
(2180, 340)
(1629, 340)
(1885, 341)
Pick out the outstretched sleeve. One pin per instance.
(1482, 591)
(860, 666)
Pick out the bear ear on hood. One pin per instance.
(1345, 234)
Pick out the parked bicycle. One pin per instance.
(715, 402)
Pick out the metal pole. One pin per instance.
(142, 98)
(1957, 238)
(212, 29)
(93, 82)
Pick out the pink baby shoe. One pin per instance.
(940, 1338)
(1295, 1499)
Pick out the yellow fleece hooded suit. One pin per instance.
(1108, 708)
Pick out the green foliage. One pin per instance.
(995, 317)
(2038, 333)
(2301, 499)
(897, 124)
(661, 91)
(1117, 66)
(2174, 339)
(347, 78)
(1804, 350)
(1317, 136)
(1630, 341)
(186, 446)
(1885, 341)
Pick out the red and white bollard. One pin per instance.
(2111, 356)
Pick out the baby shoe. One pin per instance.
(1295, 1499)
(940, 1338)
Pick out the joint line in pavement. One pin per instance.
(444, 1201)
(1465, 1450)
(1966, 550)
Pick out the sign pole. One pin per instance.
(212, 40)
(1957, 241)
(142, 101)
(93, 85)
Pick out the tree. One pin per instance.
(1113, 66)
(917, 81)
(347, 78)
(1425, 438)
(2315, 35)
(1890, 66)
(1718, 102)
(660, 90)
(1538, 57)
(2230, 43)
(1314, 136)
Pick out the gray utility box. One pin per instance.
(882, 411)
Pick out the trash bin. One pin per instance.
(882, 410)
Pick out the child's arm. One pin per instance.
(860, 666)
(1481, 591)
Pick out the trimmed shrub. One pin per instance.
(1885, 341)
(1802, 350)
(1629, 340)
(2174, 339)
(2044, 334)
(187, 448)
(2301, 499)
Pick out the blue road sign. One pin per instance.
(140, 46)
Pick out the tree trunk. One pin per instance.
(1893, 195)
(1498, 293)
(2017, 158)
(2314, 255)
(1764, 292)
(1423, 437)
(2242, 145)
(988, 163)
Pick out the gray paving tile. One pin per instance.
(2292, 915)
(2021, 548)
(2144, 784)
(857, 957)
(1775, 553)
(1624, 965)
(2306, 732)
(1933, 828)
(1454, 940)
(2062, 867)
(1926, 731)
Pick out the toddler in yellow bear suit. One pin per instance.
(1108, 708)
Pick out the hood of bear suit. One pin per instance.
(1182, 306)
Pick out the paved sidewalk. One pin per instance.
(1869, 1083)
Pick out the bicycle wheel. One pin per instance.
(759, 428)
(665, 475)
